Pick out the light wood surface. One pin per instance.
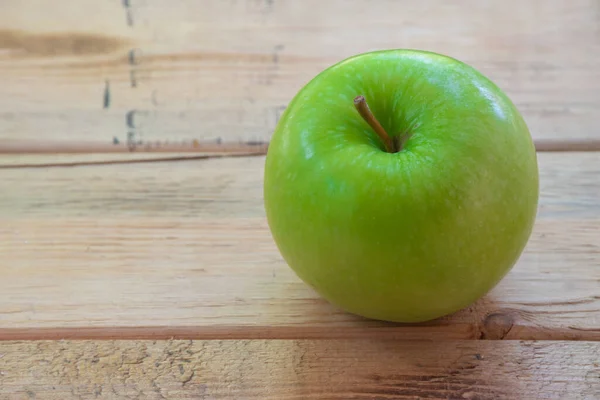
(359, 370)
(183, 249)
(100, 241)
(186, 70)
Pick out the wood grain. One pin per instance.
(182, 249)
(154, 71)
(299, 369)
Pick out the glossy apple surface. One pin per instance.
(407, 236)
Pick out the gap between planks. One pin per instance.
(495, 327)
(31, 156)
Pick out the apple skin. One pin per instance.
(408, 236)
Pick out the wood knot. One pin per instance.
(497, 325)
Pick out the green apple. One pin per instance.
(410, 203)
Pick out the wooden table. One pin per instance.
(137, 265)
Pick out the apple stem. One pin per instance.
(392, 146)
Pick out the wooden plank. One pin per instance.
(182, 249)
(179, 71)
(361, 369)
